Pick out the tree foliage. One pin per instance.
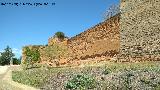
(16, 61)
(112, 11)
(32, 56)
(6, 56)
(60, 35)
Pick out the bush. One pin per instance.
(81, 82)
(16, 61)
(60, 35)
(106, 71)
(6, 56)
(32, 56)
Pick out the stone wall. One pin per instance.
(140, 29)
(99, 41)
(135, 33)
(54, 40)
(54, 55)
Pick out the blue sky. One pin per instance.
(30, 25)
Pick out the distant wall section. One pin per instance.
(99, 41)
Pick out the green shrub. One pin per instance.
(145, 80)
(106, 71)
(32, 56)
(81, 82)
(55, 52)
(60, 35)
(6, 56)
(16, 61)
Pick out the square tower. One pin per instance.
(140, 28)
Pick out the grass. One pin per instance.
(32, 77)
(55, 51)
(109, 76)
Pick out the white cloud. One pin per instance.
(1, 52)
(16, 51)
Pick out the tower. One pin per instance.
(140, 28)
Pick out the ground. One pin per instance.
(6, 81)
(108, 76)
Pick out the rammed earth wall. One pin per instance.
(135, 33)
(140, 28)
(139, 33)
(99, 41)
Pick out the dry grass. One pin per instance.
(6, 86)
(118, 73)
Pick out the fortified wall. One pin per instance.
(100, 42)
(140, 29)
(134, 34)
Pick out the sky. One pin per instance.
(33, 25)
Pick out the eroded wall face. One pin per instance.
(140, 28)
(99, 41)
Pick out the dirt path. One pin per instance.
(7, 83)
(3, 69)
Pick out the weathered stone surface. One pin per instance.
(140, 28)
(133, 35)
(100, 40)
(53, 40)
(94, 45)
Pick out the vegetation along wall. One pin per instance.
(133, 35)
(97, 43)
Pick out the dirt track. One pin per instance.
(6, 79)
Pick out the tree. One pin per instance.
(112, 11)
(32, 57)
(60, 35)
(6, 56)
(16, 61)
